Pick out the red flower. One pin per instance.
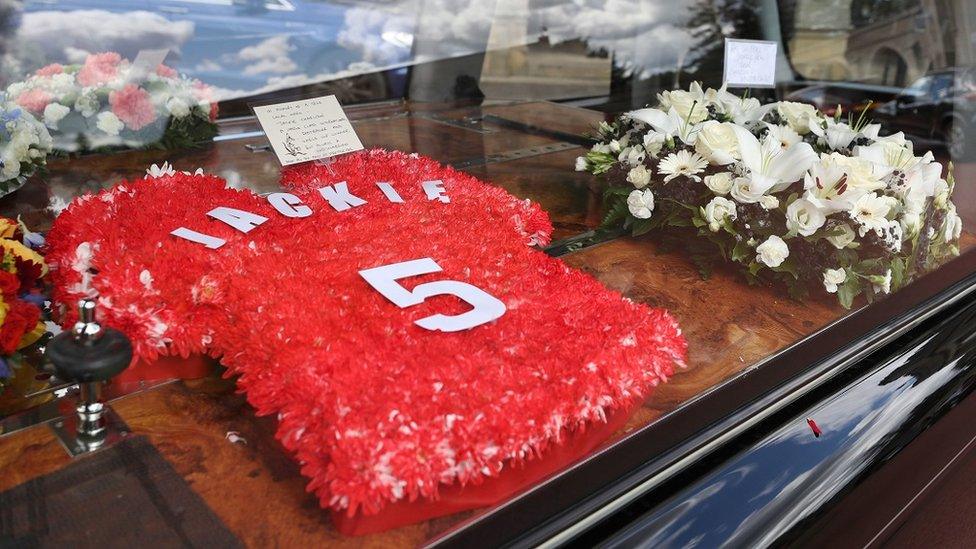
(21, 318)
(9, 284)
(376, 408)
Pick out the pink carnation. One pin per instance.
(166, 72)
(99, 68)
(50, 70)
(133, 106)
(34, 100)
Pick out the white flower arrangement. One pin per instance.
(106, 102)
(24, 146)
(822, 204)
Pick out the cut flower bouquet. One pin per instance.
(105, 102)
(24, 146)
(819, 203)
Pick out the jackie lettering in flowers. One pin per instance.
(289, 205)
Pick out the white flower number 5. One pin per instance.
(384, 280)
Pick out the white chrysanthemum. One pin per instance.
(155, 171)
(641, 203)
(682, 163)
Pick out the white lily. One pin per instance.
(837, 135)
(770, 167)
(670, 123)
(744, 111)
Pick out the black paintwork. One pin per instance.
(676, 452)
(770, 490)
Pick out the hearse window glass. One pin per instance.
(734, 222)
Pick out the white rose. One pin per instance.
(717, 142)
(639, 176)
(743, 192)
(799, 116)
(804, 217)
(177, 107)
(108, 123)
(773, 252)
(769, 202)
(581, 163)
(844, 237)
(689, 106)
(641, 203)
(720, 183)
(654, 142)
(53, 113)
(717, 211)
(833, 278)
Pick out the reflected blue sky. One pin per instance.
(243, 47)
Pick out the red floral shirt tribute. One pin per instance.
(377, 408)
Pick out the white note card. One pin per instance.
(750, 63)
(310, 129)
(146, 62)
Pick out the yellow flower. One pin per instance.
(22, 252)
(7, 227)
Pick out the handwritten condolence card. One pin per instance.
(750, 63)
(310, 129)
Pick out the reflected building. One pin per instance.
(885, 42)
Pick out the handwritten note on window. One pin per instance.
(750, 63)
(310, 129)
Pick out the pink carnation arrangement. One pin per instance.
(104, 97)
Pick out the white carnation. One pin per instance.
(832, 278)
(773, 252)
(53, 113)
(109, 123)
(641, 203)
(177, 107)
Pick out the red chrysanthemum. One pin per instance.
(374, 407)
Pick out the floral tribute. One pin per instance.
(20, 315)
(822, 204)
(378, 410)
(24, 146)
(105, 103)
